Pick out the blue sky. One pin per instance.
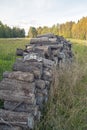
(26, 13)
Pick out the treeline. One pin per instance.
(68, 30)
(8, 32)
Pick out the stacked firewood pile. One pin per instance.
(26, 89)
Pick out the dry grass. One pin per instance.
(67, 105)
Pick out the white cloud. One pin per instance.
(25, 13)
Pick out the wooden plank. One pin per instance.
(17, 96)
(23, 76)
(17, 118)
(17, 86)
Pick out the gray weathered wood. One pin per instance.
(16, 118)
(47, 75)
(33, 67)
(40, 84)
(49, 35)
(24, 76)
(3, 126)
(21, 107)
(19, 52)
(36, 40)
(9, 95)
(16, 85)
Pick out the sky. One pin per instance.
(26, 13)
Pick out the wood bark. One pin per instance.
(33, 67)
(9, 95)
(21, 107)
(16, 118)
(7, 127)
(17, 86)
(49, 35)
(23, 76)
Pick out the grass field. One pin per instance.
(7, 52)
(67, 106)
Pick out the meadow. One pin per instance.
(8, 52)
(67, 105)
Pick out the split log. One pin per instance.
(9, 95)
(33, 67)
(44, 43)
(38, 58)
(19, 52)
(39, 40)
(49, 35)
(39, 99)
(17, 118)
(47, 75)
(23, 76)
(27, 64)
(53, 39)
(48, 62)
(16, 85)
(21, 107)
(57, 46)
(39, 49)
(40, 84)
(3, 126)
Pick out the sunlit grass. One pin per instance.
(8, 52)
(78, 41)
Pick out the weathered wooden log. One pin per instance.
(3, 126)
(53, 39)
(33, 63)
(17, 118)
(20, 96)
(28, 66)
(19, 52)
(44, 92)
(16, 85)
(39, 99)
(45, 49)
(38, 51)
(39, 40)
(21, 107)
(36, 57)
(23, 76)
(48, 62)
(49, 35)
(44, 43)
(57, 46)
(40, 84)
(47, 75)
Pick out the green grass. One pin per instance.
(7, 52)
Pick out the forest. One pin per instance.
(8, 32)
(68, 30)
